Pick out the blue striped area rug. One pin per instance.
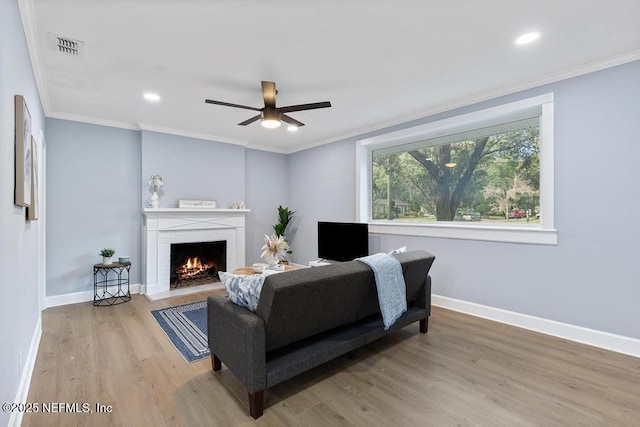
(186, 327)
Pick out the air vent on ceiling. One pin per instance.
(66, 45)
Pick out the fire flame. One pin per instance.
(192, 267)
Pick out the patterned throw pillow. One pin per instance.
(243, 290)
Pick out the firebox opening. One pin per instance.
(197, 263)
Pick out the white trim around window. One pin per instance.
(543, 233)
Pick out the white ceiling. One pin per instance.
(378, 62)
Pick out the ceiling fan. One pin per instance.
(270, 115)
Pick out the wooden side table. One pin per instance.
(111, 283)
(248, 270)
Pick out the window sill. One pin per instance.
(528, 235)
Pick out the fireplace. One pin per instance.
(164, 227)
(196, 263)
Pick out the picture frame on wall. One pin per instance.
(32, 210)
(23, 153)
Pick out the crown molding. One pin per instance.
(592, 67)
(92, 120)
(267, 148)
(27, 14)
(190, 134)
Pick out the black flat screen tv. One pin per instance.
(342, 241)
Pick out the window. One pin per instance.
(486, 175)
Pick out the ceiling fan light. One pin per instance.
(270, 119)
(270, 123)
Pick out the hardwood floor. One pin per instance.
(465, 371)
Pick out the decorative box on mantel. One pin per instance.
(210, 204)
(166, 226)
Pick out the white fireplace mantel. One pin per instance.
(165, 226)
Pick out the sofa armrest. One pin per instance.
(424, 301)
(424, 297)
(237, 338)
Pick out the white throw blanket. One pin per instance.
(392, 293)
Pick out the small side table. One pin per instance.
(111, 284)
(248, 270)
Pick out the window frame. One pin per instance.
(543, 233)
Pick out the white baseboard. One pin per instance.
(27, 372)
(608, 341)
(76, 297)
(137, 288)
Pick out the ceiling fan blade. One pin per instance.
(269, 94)
(227, 104)
(251, 120)
(290, 120)
(302, 107)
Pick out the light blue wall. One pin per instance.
(266, 189)
(322, 187)
(589, 278)
(19, 290)
(93, 201)
(192, 169)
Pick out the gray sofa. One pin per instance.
(307, 317)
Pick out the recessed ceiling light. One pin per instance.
(151, 96)
(292, 128)
(528, 38)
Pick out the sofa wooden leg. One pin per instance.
(256, 404)
(424, 325)
(216, 363)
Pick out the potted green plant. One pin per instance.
(107, 253)
(285, 215)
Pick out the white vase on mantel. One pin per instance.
(155, 200)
